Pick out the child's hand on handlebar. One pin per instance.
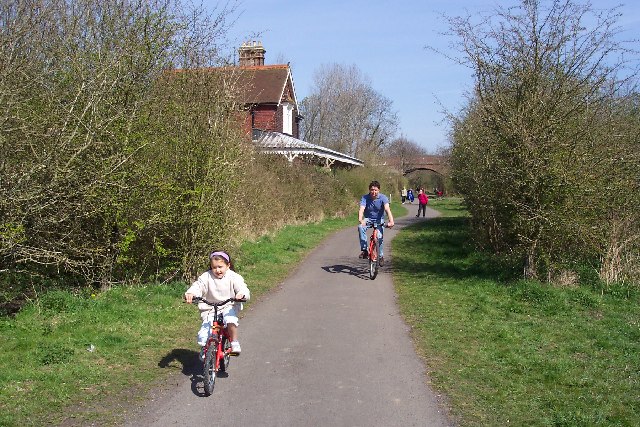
(188, 298)
(240, 297)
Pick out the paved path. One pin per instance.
(328, 348)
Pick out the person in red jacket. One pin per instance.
(423, 199)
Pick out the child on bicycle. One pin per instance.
(373, 206)
(217, 284)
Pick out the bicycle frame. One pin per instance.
(374, 249)
(218, 334)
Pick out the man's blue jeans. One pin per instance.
(362, 231)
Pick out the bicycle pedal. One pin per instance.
(236, 354)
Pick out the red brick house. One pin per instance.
(272, 117)
(267, 92)
(269, 109)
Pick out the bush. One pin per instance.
(545, 152)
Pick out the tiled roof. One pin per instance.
(263, 84)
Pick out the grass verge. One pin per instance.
(509, 352)
(73, 358)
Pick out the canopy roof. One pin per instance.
(280, 143)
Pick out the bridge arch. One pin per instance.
(436, 164)
(409, 170)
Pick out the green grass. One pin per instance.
(515, 352)
(45, 363)
(139, 335)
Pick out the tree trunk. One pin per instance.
(530, 263)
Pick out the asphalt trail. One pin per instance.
(327, 348)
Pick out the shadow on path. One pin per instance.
(359, 272)
(191, 367)
(187, 358)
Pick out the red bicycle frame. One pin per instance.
(374, 250)
(214, 343)
(373, 245)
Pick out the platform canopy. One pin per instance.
(292, 148)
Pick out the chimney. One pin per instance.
(251, 54)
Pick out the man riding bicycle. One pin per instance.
(373, 206)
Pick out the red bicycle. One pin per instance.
(217, 351)
(374, 249)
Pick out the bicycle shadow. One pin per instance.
(361, 272)
(191, 367)
(187, 358)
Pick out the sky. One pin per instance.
(386, 39)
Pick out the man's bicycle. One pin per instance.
(217, 351)
(374, 249)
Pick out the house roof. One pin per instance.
(264, 84)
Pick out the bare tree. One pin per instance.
(405, 151)
(346, 114)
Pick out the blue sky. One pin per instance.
(386, 40)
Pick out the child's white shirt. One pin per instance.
(211, 288)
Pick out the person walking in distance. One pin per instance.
(373, 207)
(423, 199)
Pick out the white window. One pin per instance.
(287, 118)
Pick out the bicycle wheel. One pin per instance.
(226, 347)
(209, 368)
(373, 258)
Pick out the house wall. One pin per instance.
(270, 119)
(269, 116)
(279, 118)
(264, 117)
(296, 124)
(278, 121)
(287, 96)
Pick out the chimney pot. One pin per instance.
(251, 53)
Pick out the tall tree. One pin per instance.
(344, 113)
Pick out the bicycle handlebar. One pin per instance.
(376, 224)
(216, 304)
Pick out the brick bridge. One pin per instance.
(437, 164)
